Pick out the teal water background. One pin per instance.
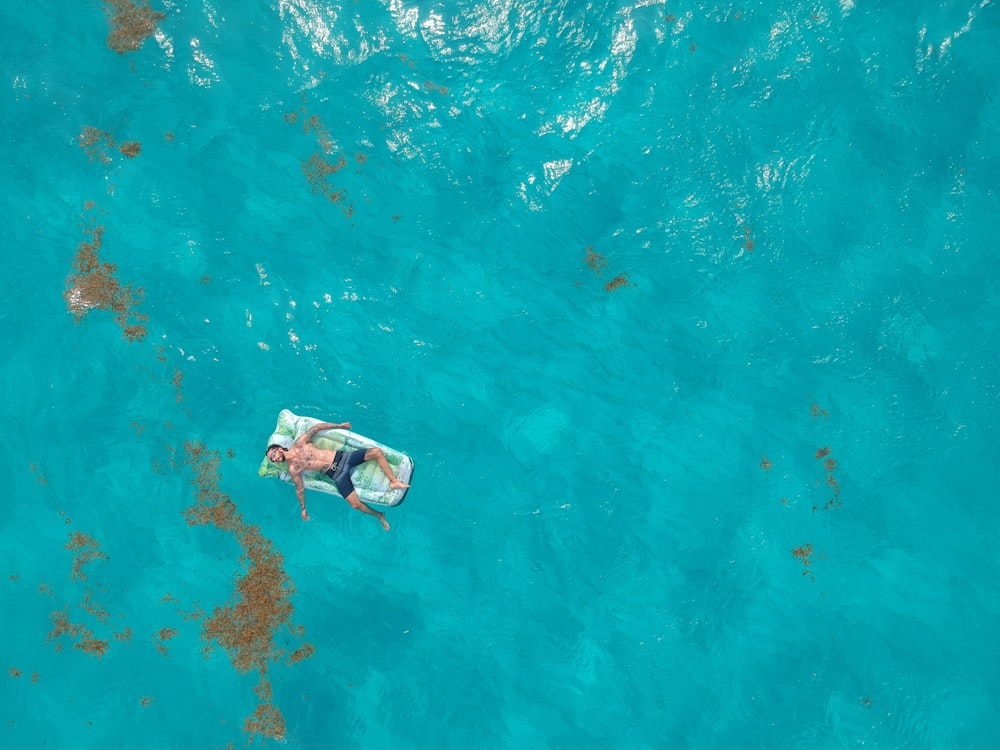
(598, 547)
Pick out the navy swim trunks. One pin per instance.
(340, 469)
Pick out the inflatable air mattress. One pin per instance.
(371, 484)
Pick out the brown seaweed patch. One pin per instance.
(94, 646)
(311, 124)
(94, 285)
(804, 553)
(321, 166)
(94, 608)
(317, 171)
(830, 464)
(619, 281)
(177, 381)
(62, 626)
(86, 550)
(195, 614)
(146, 700)
(315, 124)
(305, 651)
(748, 240)
(131, 23)
(39, 475)
(124, 636)
(818, 411)
(245, 627)
(599, 264)
(130, 149)
(265, 721)
(164, 634)
(595, 261)
(14, 672)
(833, 502)
(263, 691)
(96, 143)
(81, 634)
(765, 463)
(167, 633)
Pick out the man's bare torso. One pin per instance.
(307, 457)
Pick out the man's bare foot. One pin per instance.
(395, 484)
(385, 524)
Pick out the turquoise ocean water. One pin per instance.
(687, 314)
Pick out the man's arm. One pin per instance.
(313, 431)
(300, 490)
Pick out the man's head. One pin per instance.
(275, 453)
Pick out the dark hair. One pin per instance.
(273, 445)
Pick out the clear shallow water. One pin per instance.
(617, 490)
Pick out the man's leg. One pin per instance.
(352, 498)
(376, 454)
(346, 487)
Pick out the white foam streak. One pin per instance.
(328, 33)
(926, 50)
(406, 18)
(201, 72)
(614, 67)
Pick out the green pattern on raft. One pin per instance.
(370, 481)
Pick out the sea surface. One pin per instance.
(686, 312)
